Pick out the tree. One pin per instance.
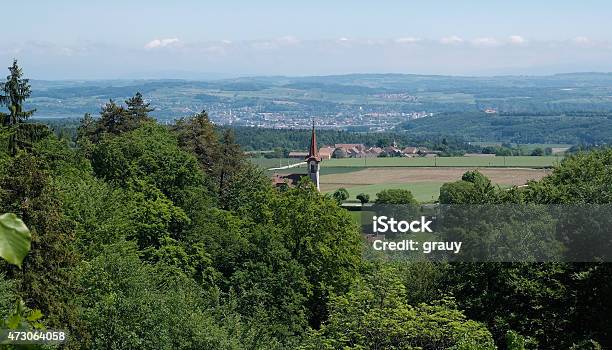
(363, 198)
(581, 178)
(383, 142)
(323, 238)
(148, 154)
(395, 196)
(374, 315)
(116, 119)
(197, 135)
(339, 153)
(473, 188)
(15, 91)
(112, 119)
(129, 304)
(27, 189)
(340, 195)
(231, 160)
(137, 109)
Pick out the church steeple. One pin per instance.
(313, 151)
(313, 158)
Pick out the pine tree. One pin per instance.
(112, 118)
(137, 109)
(116, 119)
(15, 91)
(197, 135)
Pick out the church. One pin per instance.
(313, 161)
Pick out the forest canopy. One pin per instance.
(149, 236)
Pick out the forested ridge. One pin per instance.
(146, 236)
(588, 128)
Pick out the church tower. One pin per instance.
(313, 159)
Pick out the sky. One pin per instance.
(75, 39)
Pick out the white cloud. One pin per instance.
(451, 40)
(485, 42)
(517, 40)
(159, 43)
(278, 43)
(407, 40)
(288, 40)
(582, 40)
(264, 44)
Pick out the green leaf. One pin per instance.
(15, 239)
(35, 315)
(13, 321)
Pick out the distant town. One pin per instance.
(358, 150)
(369, 121)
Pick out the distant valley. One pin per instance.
(523, 109)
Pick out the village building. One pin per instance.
(313, 159)
(299, 155)
(372, 152)
(410, 151)
(326, 152)
(346, 146)
(391, 151)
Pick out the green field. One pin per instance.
(422, 191)
(516, 161)
(524, 146)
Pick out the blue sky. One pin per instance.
(112, 39)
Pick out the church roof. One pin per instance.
(289, 179)
(313, 151)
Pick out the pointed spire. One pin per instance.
(313, 151)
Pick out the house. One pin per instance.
(391, 151)
(372, 152)
(348, 150)
(326, 152)
(353, 152)
(360, 146)
(300, 155)
(279, 180)
(410, 150)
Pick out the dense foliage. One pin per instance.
(147, 236)
(572, 128)
(285, 140)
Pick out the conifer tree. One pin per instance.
(197, 135)
(230, 162)
(13, 94)
(137, 109)
(112, 118)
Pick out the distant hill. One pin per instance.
(573, 128)
(567, 108)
